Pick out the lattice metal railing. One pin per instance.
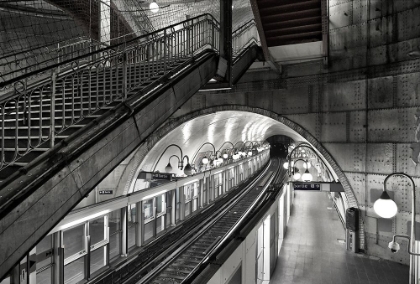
(30, 61)
(34, 116)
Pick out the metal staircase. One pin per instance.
(54, 128)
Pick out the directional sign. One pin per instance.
(161, 176)
(307, 186)
(106, 192)
(154, 176)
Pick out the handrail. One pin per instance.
(107, 49)
(80, 38)
(64, 99)
(35, 58)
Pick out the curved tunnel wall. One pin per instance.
(363, 108)
(145, 156)
(362, 123)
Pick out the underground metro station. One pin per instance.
(209, 141)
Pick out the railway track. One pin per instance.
(181, 264)
(156, 251)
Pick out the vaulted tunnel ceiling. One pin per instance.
(215, 128)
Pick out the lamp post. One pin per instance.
(205, 160)
(306, 176)
(225, 152)
(300, 147)
(187, 168)
(385, 207)
(168, 168)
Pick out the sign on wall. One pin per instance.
(154, 176)
(307, 186)
(106, 192)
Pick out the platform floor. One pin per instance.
(312, 253)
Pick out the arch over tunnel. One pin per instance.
(217, 125)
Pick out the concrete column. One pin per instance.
(225, 36)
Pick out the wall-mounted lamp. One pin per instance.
(387, 208)
(168, 168)
(296, 173)
(301, 152)
(307, 177)
(154, 7)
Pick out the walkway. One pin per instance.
(312, 254)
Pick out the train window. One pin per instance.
(74, 241)
(43, 275)
(44, 252)
(131, 225)
(97, 230)
(97, 259)
(160, 204)
(74, 271)
(115, 230)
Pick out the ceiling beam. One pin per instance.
(266, 52)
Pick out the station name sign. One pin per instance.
(307, 186)
(154, 176)
(320, 185)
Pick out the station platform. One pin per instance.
(313, 250)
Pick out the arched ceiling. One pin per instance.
(216, 128)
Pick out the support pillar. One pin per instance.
(139, 227)
(225, 40)
(124, 235)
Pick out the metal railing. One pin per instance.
(21, 63)
(33, 114)
(244, 36)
